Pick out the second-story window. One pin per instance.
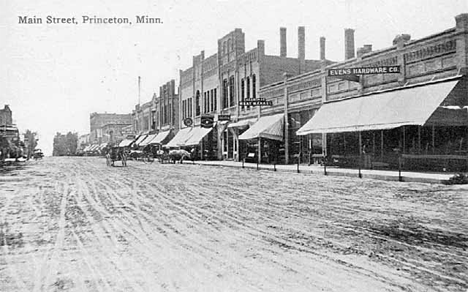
(215, 98)
(232, 100)
(225, 94)
(242, 91)
(254, 86)
(197, 103)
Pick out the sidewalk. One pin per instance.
(388, 175)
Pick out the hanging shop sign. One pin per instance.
(207, 121)
(224, 117)
(188, 122)
(255, 101)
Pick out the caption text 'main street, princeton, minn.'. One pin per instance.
(85, 19)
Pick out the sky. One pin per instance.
(54, 75)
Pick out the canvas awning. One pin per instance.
(379, 111)
(126, 142)
(270, 127)
(140, 139)
(148, 140)
(160, 137)
(180, 138)
(242, 123)
(196, 135)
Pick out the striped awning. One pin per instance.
(160, 137)
(196, 135)
(180, 138)
(148, 140)
(242, 123)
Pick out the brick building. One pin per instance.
(158, 116)
(418, 114)
(213, 86)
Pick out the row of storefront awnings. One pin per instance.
(146, 139)
(189, 137)
(417, 105)
(95, 147)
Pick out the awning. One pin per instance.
(196, 135)
(160, 137)
(270, 127)
(140, 139)
(380, 111)
(93, 147)
(126, 142)
(180, 138)
(148, 140)
(242, 123)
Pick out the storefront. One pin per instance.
(419, 127)
(264, 140)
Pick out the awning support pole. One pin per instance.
(298, 161)
(360, 154)
(324, 165)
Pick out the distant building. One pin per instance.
(6, 118)
(116, 122)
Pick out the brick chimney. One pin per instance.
(322, 48)
(349, 43)
(283, 48)
(364, 50)
(301, 48)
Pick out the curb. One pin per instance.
(334, 172)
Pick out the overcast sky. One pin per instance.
(54, 75)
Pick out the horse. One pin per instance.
(179, 155)
(115, 155)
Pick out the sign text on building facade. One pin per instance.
(364, 70)
(255, 101)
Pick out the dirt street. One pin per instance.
(74, 224)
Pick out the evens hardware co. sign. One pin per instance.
(364, 70)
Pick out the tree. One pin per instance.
(65, 144)
(30, 142)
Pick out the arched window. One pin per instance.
(229, 45)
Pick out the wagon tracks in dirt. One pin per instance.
(147, 227)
